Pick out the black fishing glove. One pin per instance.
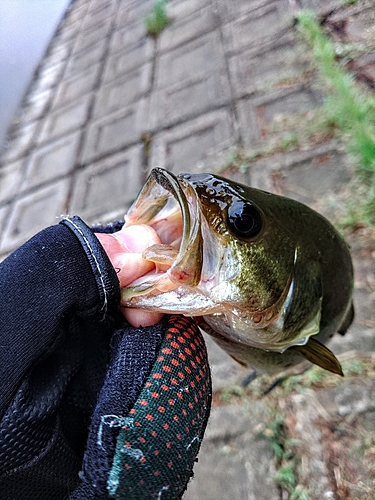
(89, 406)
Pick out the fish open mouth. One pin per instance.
(170, 206)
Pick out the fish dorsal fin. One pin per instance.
(320, 355)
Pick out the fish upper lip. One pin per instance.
(187, 267)
(171, 183)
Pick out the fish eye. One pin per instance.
(244, 219)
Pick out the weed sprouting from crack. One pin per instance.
(287, 458)
(157, 20)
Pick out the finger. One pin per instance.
(124, 251)
(140, 318)
(137, 238)
(130, 266)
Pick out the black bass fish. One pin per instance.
(269, 278)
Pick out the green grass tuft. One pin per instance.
(157, 19)
(346, 107)
(287, 458)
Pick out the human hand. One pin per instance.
(75, 377)
(124, 249)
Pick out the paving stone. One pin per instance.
(98, 11)
(53, 160)
(19, 142)
(188, 99)
(133, 12)
(307, 177)
(317, 177)
(11, 176)
(333, 425)
(285, 102)
(195, 146)
(80, 3)
(322, 7)
(259, 72)
(256, 27)
(190, 80)
(89, 37)
(237, 8)
(124, 91)
(57, 52)
(35, 105)
(125, 38)
(70, 90)
(124, 61)
(178, 9)
(359, 23)
(75, 14)
(48, 76)
(227, 168)
(84, 60)
(234, 462)
(67, 119)
(33, 212)
(256, 115)
(248, 120)
(3, 214)
(348, 433)
(115, 132)
(66, 33)
(108, 186)
(199, 57)
(187, 26)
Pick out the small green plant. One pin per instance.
(286, 458)
(157, 19)
(346, 106)
(231, 391)
(289, 141)
(346, 3)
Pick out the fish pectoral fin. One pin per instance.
(320, 355)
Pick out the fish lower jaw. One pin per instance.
(177, 300)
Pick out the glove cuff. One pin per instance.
(105, 275)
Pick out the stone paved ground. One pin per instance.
(108, 103)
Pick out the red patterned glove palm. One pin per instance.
(147, 449)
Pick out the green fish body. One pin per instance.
(269, 278)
